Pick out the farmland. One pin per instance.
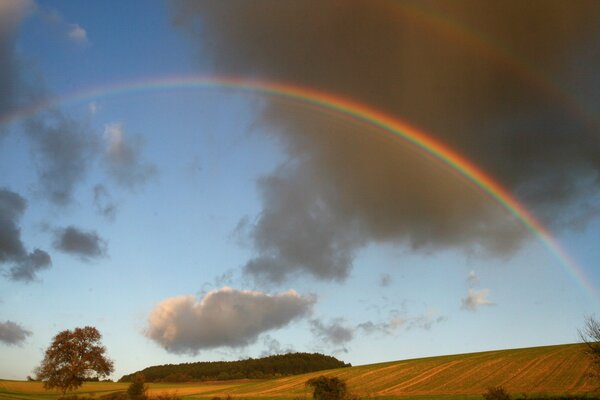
(558, 369)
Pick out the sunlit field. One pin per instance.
(550, 370)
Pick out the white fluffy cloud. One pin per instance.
(223, 317)
(476, 299)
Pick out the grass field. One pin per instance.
(554, 370)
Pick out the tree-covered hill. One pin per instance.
(267, 367)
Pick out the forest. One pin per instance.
(251, 368)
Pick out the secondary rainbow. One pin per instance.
(348, 107)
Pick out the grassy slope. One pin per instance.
(550, 369)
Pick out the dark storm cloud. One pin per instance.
(123, 158)
(63, 150)
(12, 333)
(84, 244)
(24, 265)
(224, 317)
(344, 186)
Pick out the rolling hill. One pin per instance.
(561, 369)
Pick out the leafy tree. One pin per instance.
(496, 393)
(138, 388)
(73, 357)
(328, 388)
(590, 335)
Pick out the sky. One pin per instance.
(375, 180)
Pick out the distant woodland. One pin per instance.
(260, 368)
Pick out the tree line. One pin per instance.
(251, 368)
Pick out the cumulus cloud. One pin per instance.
(222, 318)
(123, 157)
(344, 186)
(77, 34)
(24, 265)
(476, 299)
(85, 244)
(12, 333)
(64, 149)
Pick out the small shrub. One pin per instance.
(138, 388)
(328, 388)
(496, 393)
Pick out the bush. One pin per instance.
(496, 393)
(328, 388)
(137, 389)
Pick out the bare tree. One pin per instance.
(590, 335)
(73, 357)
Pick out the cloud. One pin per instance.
(104, 203)
(27, 267)
(272, 346)
(397, 321)
(222, 318)
(334, 332)
(11, 333)
(123, 158)
(476, 299)
(11, 15)
(385, 328)
(86, 245)
(93, 108)
(472, 278)
(385, 280)
(77, 34)
(12, 249)
(64, 149)
(299, 233)
(358, 186)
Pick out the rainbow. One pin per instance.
(343, 106)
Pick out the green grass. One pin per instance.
(552, 370)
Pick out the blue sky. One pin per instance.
(194, 224)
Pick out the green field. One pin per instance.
(554, 370)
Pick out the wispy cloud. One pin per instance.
(123, 157)
(77, 34)
(472, 278)
(476, 299)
